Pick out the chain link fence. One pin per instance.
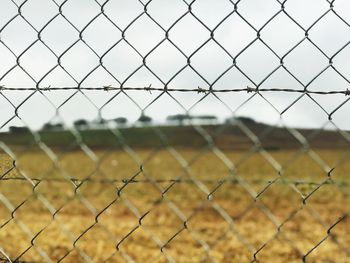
(174, 131)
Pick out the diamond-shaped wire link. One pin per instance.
(85, 176)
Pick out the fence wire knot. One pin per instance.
(148, 88)
(201, 90)
(250, 89)
(107, 88)
(140, 127)
(48, 88)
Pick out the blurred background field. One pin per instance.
(200, 203)
(174, 131)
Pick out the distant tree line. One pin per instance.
(178, 119)
(53, 127)
(144, 119)
(14, 129)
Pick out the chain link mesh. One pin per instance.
(202, 189)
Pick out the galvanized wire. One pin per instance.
(254, 190)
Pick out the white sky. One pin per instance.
(330, 34)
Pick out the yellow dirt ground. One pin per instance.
(167, 212)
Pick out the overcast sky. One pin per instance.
(38, 59)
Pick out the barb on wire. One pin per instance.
(81, 179)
